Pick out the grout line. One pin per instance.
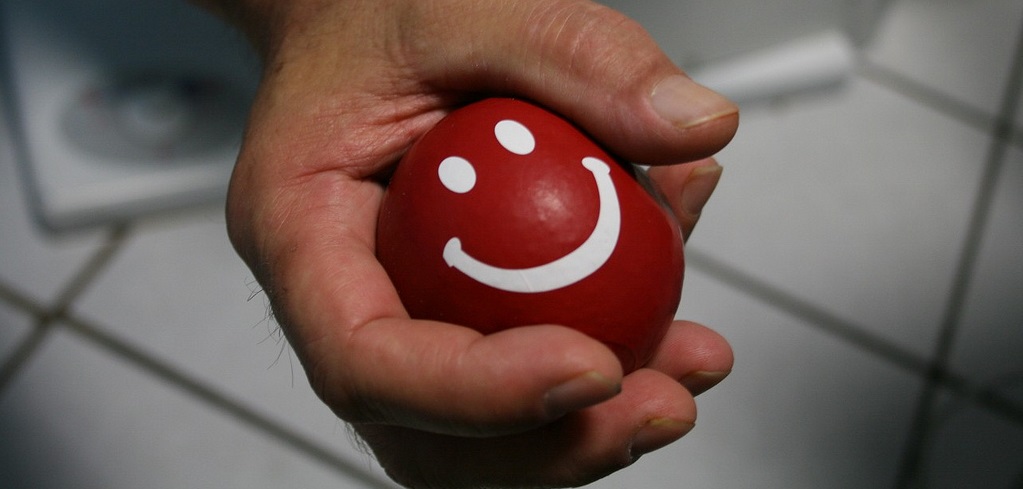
(1001, 136)
(58, 315)
(10, 368)
(855, 334)
(994, 401)
(44, 317)
(21, 301)
(921, 93)
(74, 287)
(97, 263)
(28, 346)
(210, 396)
(806, 311)
(1004, 127)
(1001, 124)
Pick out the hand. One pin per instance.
(349, 85)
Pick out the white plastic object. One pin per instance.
(806, 64)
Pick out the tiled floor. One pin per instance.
(863, 255)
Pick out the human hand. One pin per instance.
(349, 85)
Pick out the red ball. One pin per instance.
(506, 215)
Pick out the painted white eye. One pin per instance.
(515, 137)
(457, 174)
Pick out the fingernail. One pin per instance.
(700, 382)
(657, 433)
(685, 103)
(583, 391)
(699, 187)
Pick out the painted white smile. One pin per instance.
(458, 175)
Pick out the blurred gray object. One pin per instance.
(759, 51)
(122, 108)
(699, 33)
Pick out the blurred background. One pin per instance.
(863, 254)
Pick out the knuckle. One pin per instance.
(592, 38)
(337, 393)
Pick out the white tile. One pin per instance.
(14, 327)
(972, 447)
(856, 203)
(990, 337)
(80, 418)
(31, 260)
(178, 290)
(963, 49)
(800, 410)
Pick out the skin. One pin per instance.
(348, 86)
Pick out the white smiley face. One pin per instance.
(459, 175)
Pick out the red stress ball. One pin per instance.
(506, 215)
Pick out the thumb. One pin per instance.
(591, 64)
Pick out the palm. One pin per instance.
(440, 403)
